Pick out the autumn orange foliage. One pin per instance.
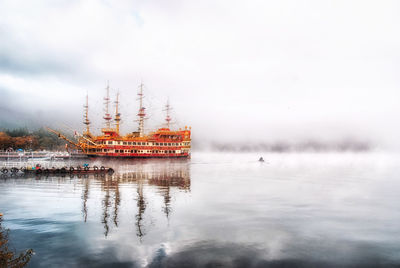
(24, 142)
(29, 140)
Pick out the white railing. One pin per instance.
(14, 155)
(32, 164)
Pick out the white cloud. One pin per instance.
(271, 68)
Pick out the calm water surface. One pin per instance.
(294, 210)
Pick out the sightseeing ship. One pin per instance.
(162, 143)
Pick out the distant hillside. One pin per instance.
(23, 138)
(282, 146)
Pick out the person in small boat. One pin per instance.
(261, 159)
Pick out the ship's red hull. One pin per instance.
(141, 156)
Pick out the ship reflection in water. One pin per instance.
(134, 200)
(225, 210)
(160, 178)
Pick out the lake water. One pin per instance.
(215, 210)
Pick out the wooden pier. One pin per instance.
(59, 170)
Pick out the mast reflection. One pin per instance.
(141, 204)
(110, 187)
(85, 197)
(163, 178)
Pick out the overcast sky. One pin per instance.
(234, 70)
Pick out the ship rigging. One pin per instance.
(161, 143)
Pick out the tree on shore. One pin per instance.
(8, 257)
(24, 139)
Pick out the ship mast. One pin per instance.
(117, 114)
(141, 112)
(86, 116)
(168, 117)
(107, 116)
